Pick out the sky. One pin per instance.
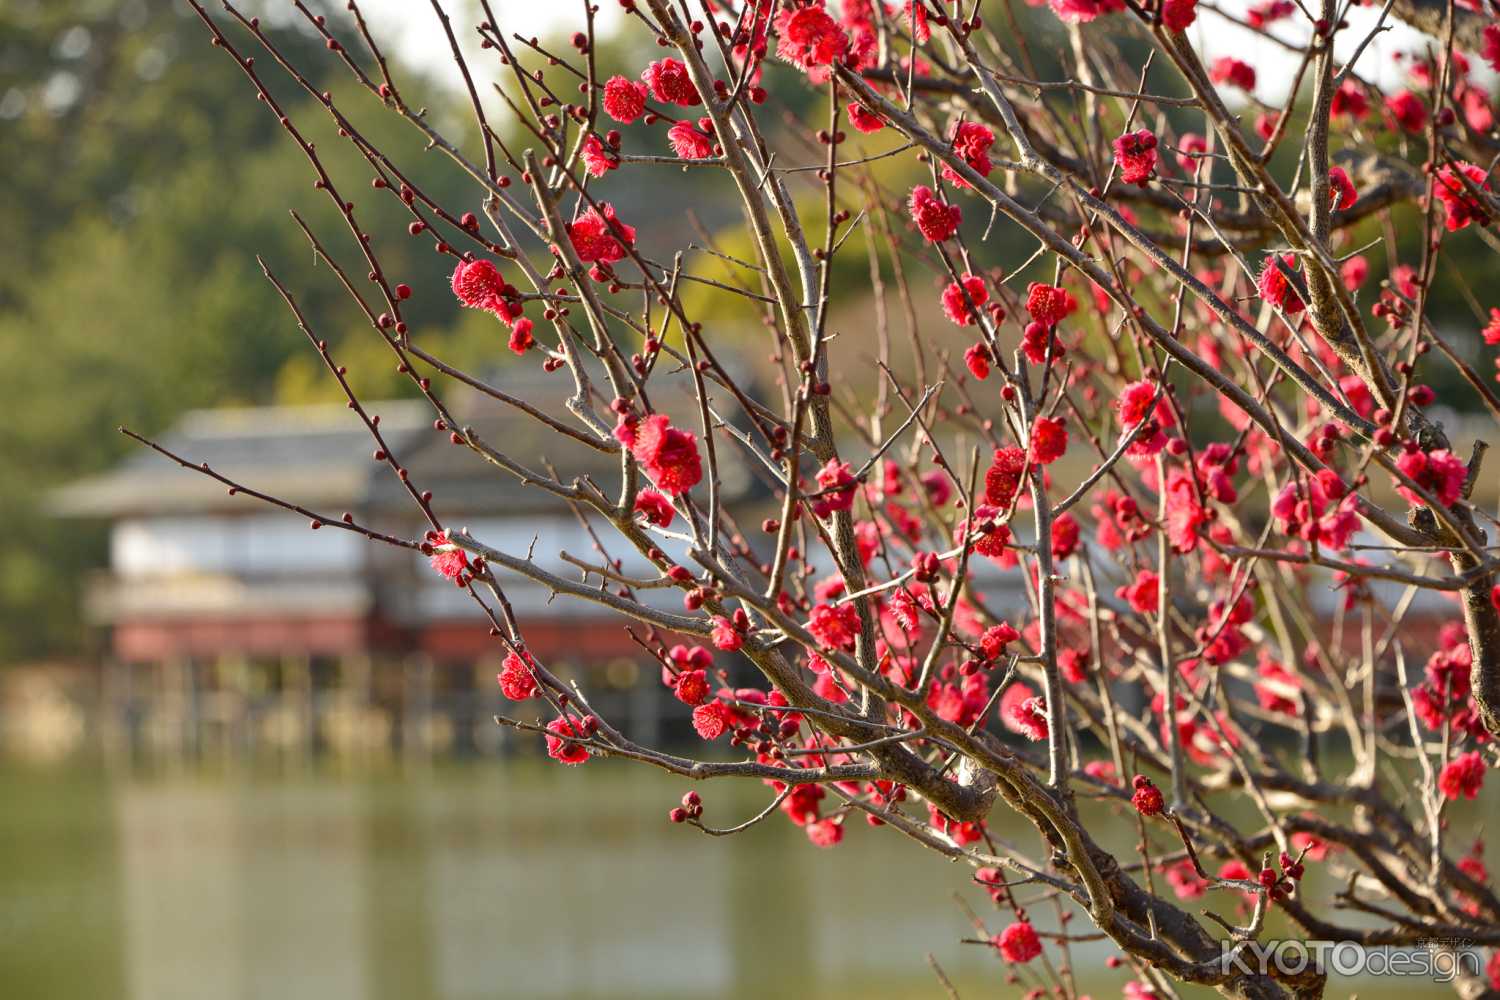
(415, 31)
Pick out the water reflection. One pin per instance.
(492, 879)
(484, 880)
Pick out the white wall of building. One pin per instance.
(254, 545)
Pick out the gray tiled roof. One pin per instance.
(320, 457)
(315, 455)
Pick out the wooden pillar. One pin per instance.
(111, 720)
(416, 707)
(131, 709)
(646, 698)
(194, 681)
(181, 712)
(230, 701)
(154, 709)
(482, 701)
(106, 720)
(355, 676)
(126, 712)
(299, 699)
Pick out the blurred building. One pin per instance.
(224, 619)
(220, 611)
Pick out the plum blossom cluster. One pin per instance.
(972, 473)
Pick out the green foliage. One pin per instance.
(143, 178)
(130, 290)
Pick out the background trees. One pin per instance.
(1139, 263)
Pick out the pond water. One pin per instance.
(478, 880)
(488, 879)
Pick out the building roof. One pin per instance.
(319, 456)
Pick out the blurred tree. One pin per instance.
(132, 224)
(130, 276)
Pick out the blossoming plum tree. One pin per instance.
(1067, 546)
